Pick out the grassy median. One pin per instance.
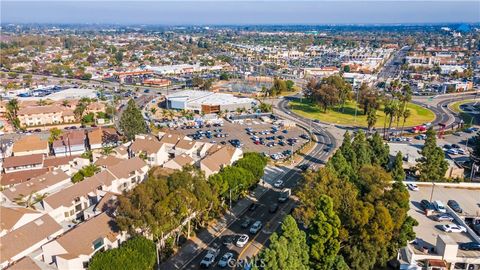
(346, 117)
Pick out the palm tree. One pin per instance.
(153, 110)
(406, 114)
(41, 102)
(55, 134)
(371, 118)
(12, 113)
(12, 107)
(387, 109)
(30, 200)
(393, 113)
(107, 150)
(80, 110)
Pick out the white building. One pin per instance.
(75, 248)
(207, 102)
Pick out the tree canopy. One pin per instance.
(131, 122)
(360, 214)
(288, 250)
(432, 165)
(135, 253)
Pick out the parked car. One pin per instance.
(461, 151)
(426, 205)
(226, 258)
(209, 259)
(255, 227)
(246, 222)
(413, 187)
(303, 167)
(469, 246)
(453, 228)
(253, 206)
(443, 217)
(452, 151)
(227, 240)
(242, 240)
(278, 183)
(273, 208)
(455, 206)
(439, 207)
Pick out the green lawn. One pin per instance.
(467, 118)
(456, 105)
(419, 114)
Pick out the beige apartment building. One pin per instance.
(45, 115)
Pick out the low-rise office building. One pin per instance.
(207, 102)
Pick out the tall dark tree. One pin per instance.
(398, 173)
(362, 149)
(132, 122)
(368, 99)
(379, 150)
(324, 236)
(289, 250)
(340, 165)
(432, 165)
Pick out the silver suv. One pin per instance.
(209, 259)
(256, 227)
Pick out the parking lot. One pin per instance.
(428, 229)
(252, 135)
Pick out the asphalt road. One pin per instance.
(439, 105)
(391, 69)
(325, 144)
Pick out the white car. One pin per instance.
(452, 151)
(226, 258)
(413, 187)
(453, 228)
(242, 240)
(278, 184)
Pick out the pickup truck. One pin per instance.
(209, 259)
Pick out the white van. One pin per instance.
(439, 207)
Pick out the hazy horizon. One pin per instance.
(240, 12)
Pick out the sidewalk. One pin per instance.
(196, 244)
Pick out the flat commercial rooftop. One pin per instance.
(428, 229)
(70, 93)
(210, 98)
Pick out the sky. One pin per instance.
(199, 12)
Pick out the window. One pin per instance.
(72, 212)
(97, 243)
(85, 264)
(78, 207)
(67, 214)
(132, 180)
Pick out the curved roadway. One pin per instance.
(325, 144)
